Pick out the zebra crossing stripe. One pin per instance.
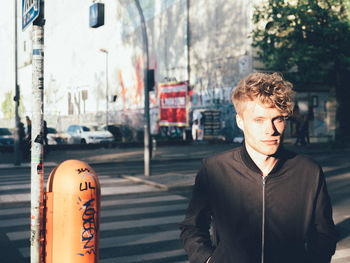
(14, 187)
(113, 180)
(127, 189)
(143, 210)
(13, 198)
(106, 203)
(341, 253)
(154, 221)
(109, 213)
(144, 200)
(137, 239)
(145, 257)
(18, 235)
(15, 211)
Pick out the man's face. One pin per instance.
(263, 127)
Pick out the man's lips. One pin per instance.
(270, 142)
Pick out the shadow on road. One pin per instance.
(343, 228)
(339, 171)
(9, 253)
(338, 184)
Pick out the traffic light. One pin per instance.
(150, 79)
(97, 15)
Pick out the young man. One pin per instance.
(263, 203)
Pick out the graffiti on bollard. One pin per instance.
(73, 201)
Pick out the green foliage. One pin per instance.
(8, 106)
(311, 37)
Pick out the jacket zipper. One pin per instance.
(263, 220)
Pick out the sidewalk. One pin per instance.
(165, 153)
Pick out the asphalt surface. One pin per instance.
(322, 152)
(334, 160)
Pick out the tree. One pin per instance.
(308, 41)
(8, 106)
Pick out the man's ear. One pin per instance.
(239, 121)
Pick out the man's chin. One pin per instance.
(271, 150)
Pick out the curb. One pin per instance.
(54, 164)
(156, 184)
(24, 165)
(140, 180)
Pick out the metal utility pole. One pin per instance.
(147, 141)
(106, 52)
(37, 149)
(17, 150)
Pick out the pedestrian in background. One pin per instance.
(28, 128)
(45, 131)
(28, 139)
(296, 119)
(262, 202)
(305, 130)
(22, 136)
(195, 127)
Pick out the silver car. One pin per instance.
(80, 134)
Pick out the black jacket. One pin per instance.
(284, 217)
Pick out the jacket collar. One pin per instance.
(248, 161)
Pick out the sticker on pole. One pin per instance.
(30, 12)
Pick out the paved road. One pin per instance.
(139, 222)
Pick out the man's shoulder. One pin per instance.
(226, 156)
(301, 160)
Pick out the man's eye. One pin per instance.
(279, 119)
(258, 120)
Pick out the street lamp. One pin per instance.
(106, 52)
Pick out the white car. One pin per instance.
(79, 134)
(53, 137)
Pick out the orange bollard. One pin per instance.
(73, 202)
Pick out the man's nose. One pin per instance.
(270, 128)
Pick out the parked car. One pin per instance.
(124, 133)
(53, 137)
(83, 134)
(6, 138)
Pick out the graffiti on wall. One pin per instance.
(131, 82)
(209, 97)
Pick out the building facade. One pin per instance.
(206, 43)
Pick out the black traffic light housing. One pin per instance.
(97, 15)
(150, 79)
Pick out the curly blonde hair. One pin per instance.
(270, 89)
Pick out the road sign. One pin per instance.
(30, 11)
